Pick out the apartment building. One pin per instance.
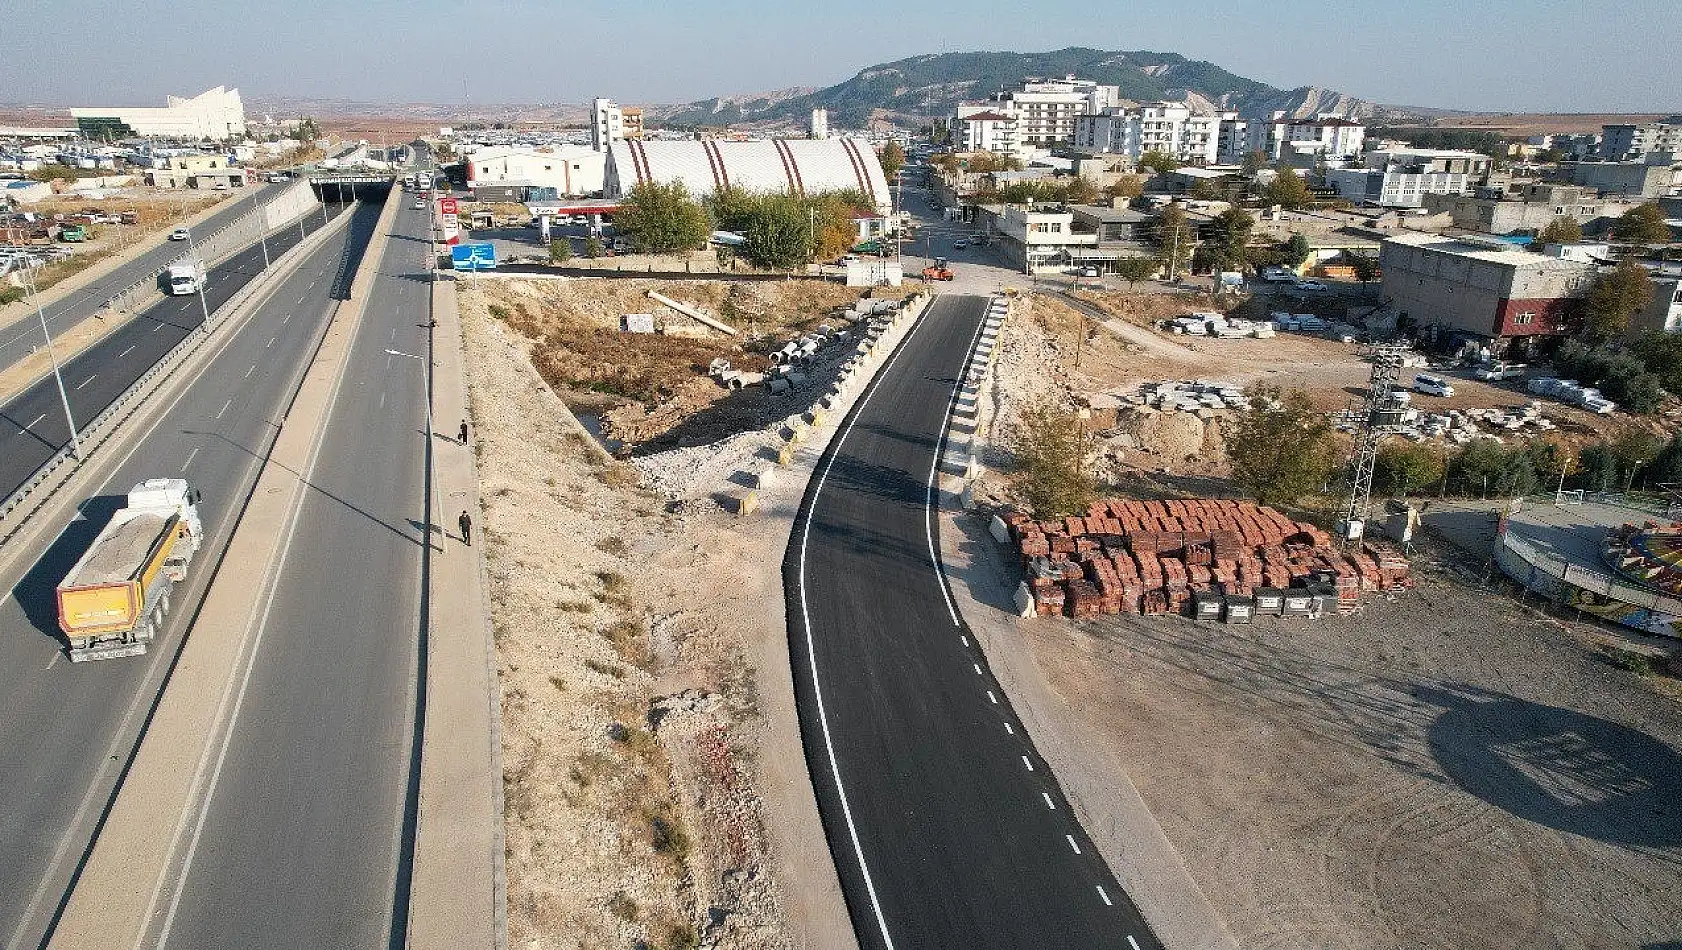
(1171, 128)
(1334, 138)
(1402, 177)
(1481, 287)
(1038, 116)
(1653, 175)
(630, 118)
(1530, 208)
(1037, 237)
(1632, 143)
(607, 124)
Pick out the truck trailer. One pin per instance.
(114, 600)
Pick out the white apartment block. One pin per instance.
(983, 129)
(1336, 138)
(607, 124)
(1234, 142)
(1632, 143)
(1044, 111)
(1167, 127)
(1401, 178)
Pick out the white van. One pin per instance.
(1432, 385)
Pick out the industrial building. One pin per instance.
(215, 114)
(800, 166)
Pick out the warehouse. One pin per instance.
(216, 114)
(801, 166)
(512, 170)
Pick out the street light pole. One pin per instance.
(431, 469)
(263, 236)
(204, 277)
(64, 397)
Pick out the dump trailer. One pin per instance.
(114, 600)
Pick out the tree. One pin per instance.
(560, 250)
(731, 207)
(1281, 448)
(1634, 448)
(1666, 467)
(662, 218)
(593, 247)
(1403, 468)
(1597, 468)
(1080, 191)
(1205, 190)
(1175, 237)
(1365, 265)
(780, 233)
(1561, 230)
(1661, 354)
(1287, 189)
(54, 173)
(1127, 186)
(1254, 161)
(1232, 228)
(1160, 162)
(1296, 251)
(1642, 224)
(1615, 297)
(1054, 461)
(307, 130)
(1135, 269)
(946, 162)
(893, 159)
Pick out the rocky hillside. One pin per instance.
(915, 90)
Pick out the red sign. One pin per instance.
(447, 206)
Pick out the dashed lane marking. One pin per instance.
(270, 343)
(87, 381)
(249, 370)
(37, 419)
(125, 352)
(224, 408)
(1029, 764)
(977, 668)
(1010, 728)
(1048, 802)
(189, 459)
(1071, 840)
(992, 697)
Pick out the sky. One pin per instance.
(1476, 55)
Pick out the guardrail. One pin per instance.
(1598, 582)
(95, 432)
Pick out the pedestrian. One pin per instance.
(463, 439)
(465, 522)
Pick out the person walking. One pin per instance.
(463, 439)
(465, 522)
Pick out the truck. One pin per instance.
(182, 277)
(73, 233)
(115, 599)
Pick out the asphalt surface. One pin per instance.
(32, 426)
(69, 729)
(947, 828)
(24, 335)
(306, 837)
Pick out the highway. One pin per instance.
(70, 729)
(947, 828)
(306, 836)
(24, 335)
(32, 426)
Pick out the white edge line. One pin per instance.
(806, 621)
(934, 468)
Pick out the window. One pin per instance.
(1524, 319)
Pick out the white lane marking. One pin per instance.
(270, 343)
(224, 408)
(286, 319)
(87, 381)
(1130, 941)
(125, 352)
(189, 459)
(305, 297)
(992, 697)
(1010, 728)
(964, 638)
(977, 668)
(52, 662)
(929, 511)
(250, 370)
(160, 326)
(1048, 802)
(37, 419)
(382, 400)
(1029, 764)
(1071, 840)
(811, 643)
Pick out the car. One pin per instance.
(1311, 287)
(221, 186)
(179, 234)
(1278, 275)
(1089, 272)
(846, 259)
(420, 204)
(1432, 385)
(959, 244)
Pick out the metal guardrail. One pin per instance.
(95, 432)
(1604, 584)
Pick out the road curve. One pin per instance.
(947, 828)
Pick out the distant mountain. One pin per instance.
(915, 90)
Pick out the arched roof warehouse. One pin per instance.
(802, 166)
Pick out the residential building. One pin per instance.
(215, 114)
(1045, 110)
(1401, 178)
(630, 118)
(1233, 145)
(1573, 146)
(983, 129)
(1335, 138)
(1664, 313)
(1530, 208)
(801, 166)
(1632, 143)
(820, 124)
(1484, 288)
(1652, 176)
(568, 169)
(1184, 180)
(607, 124)
(1037, 237)
(1171, 128)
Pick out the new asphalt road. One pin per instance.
(947, 828)
(24, 335)
(69, 729)
(306, 834)
(32, 426)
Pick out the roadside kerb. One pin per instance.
(458, 885)
(119, 895)
(55, 473)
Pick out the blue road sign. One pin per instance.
(473, 256)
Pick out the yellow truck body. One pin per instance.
(107, 592)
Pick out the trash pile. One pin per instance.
(1209, 559)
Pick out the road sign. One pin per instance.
(473, 256)
(448, 206)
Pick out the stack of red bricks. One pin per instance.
(1152, 556)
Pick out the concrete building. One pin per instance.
(196, 170)
(1335, 138)
(802, 166)
(1171, 128)
(1573, 146)
(1481, 288)
(982, 129)
(1037, 238)
(1632, 143)
(1664, 313)
(215, 114)
(630, 118)
(607, 124)
(1401, 178)
(1530, 208)
(1233, 142)
(1044, 110)
(1654, 175)
(820, 124)
(567, 169)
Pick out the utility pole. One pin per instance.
(64, 397)
(204, 277)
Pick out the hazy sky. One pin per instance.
(1515, 55)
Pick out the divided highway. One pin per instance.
(306, 837)
(24, 335)
(32, 426)
(947, 828)
(69, 730)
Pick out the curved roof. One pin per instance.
(803, 166)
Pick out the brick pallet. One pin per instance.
(1152, 557)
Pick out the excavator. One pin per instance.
(938, 270)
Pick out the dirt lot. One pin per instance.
(155, 209)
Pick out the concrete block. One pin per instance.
(1023, 600)
(745, 504)
(813, 417)
(999, 530)
(764, 478)
(785, 455)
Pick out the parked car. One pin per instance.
(1311, 287)
(179, 234)
(1088, 272)
(1495, 372)
(1432, 385)
(959, 244)
(1278, 275)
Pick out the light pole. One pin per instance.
(64, 397)
(263, 236)
(431, 470)
(204, 277)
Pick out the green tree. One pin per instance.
(1159, 162)
(1615, 297)
(1635, 448)
(1135, 269)
(893, 159)
(1661, 354)
(1403, 468)
(1281, 448)
(731, 207)
(1561, 230)
(1296, 251)
(1597, 468)
(780, 235)
(1254, 161)
(593, 247)
(1642, 224)
(1054, 461)
(1666, 467)
(1127, 186)
(1477, 467)
(1365, 265)
(307, 130)
(1205, 190)
(1176, 239)
(662, 218)
(1232, 228)
(1080, 191)
(1287, 189)
(560, 251)
(54, 173)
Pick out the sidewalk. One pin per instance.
(458, 892)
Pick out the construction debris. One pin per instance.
(1211, 559)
